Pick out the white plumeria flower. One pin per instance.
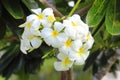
(70, 45)
(29, 20)
(75, 25)
(49, 17)
(43, 18)
(46, 17)
(54, 36)
(30, 25)
(64, 64)
(79, 56)
(29, 41)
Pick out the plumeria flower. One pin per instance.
(46, 17)
(70, 45)
(64, 64)
(79, 56)
(29, 20)
(49, 17)
(29, 41)
(75, 25)
(30, 26)
(54, 36)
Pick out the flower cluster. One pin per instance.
(71, 37)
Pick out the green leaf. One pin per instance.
(14, 8)
(96, 13)
(30, 4)
(112, 19)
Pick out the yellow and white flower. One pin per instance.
(45, 17)
(54, 36)
(75, 25)
(29, 20)
(29, 41)
(70, 45)
(72, 37)
(64, 64)
(79, 56)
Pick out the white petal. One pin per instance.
(85, 55)
(48, 11)
(89, 44)
(81, 30)
(22, 25)
(65, 49)
(25, 45)
(46, 32)
(23, 48)
(35, 32)
(71, 33)
(36, 24)
(58, 26)
(31, 18)
(35, 28)
(26, 34)
(52, 41)
(75, 17)
(36, 11)
(36, 42)
(73, 56)
(46, 24)
(66, 23)
(76, 44)
(59, 67)
(62, 56)
(61, 39)
(79, 61)
(48, 41)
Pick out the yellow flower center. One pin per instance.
(50, 18)
(88, 36)
(40, 16)
(81, 51)
(31, 37)
(55, 33)
(66, 61)
(68, 43)
(28, 25)
(74, 24)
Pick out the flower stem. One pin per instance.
(63, 75)
(67, 75)
(74, 8)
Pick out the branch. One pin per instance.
(63, 75)
(101, 72)
(70, 74)
(67, 75)
(56, 12)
